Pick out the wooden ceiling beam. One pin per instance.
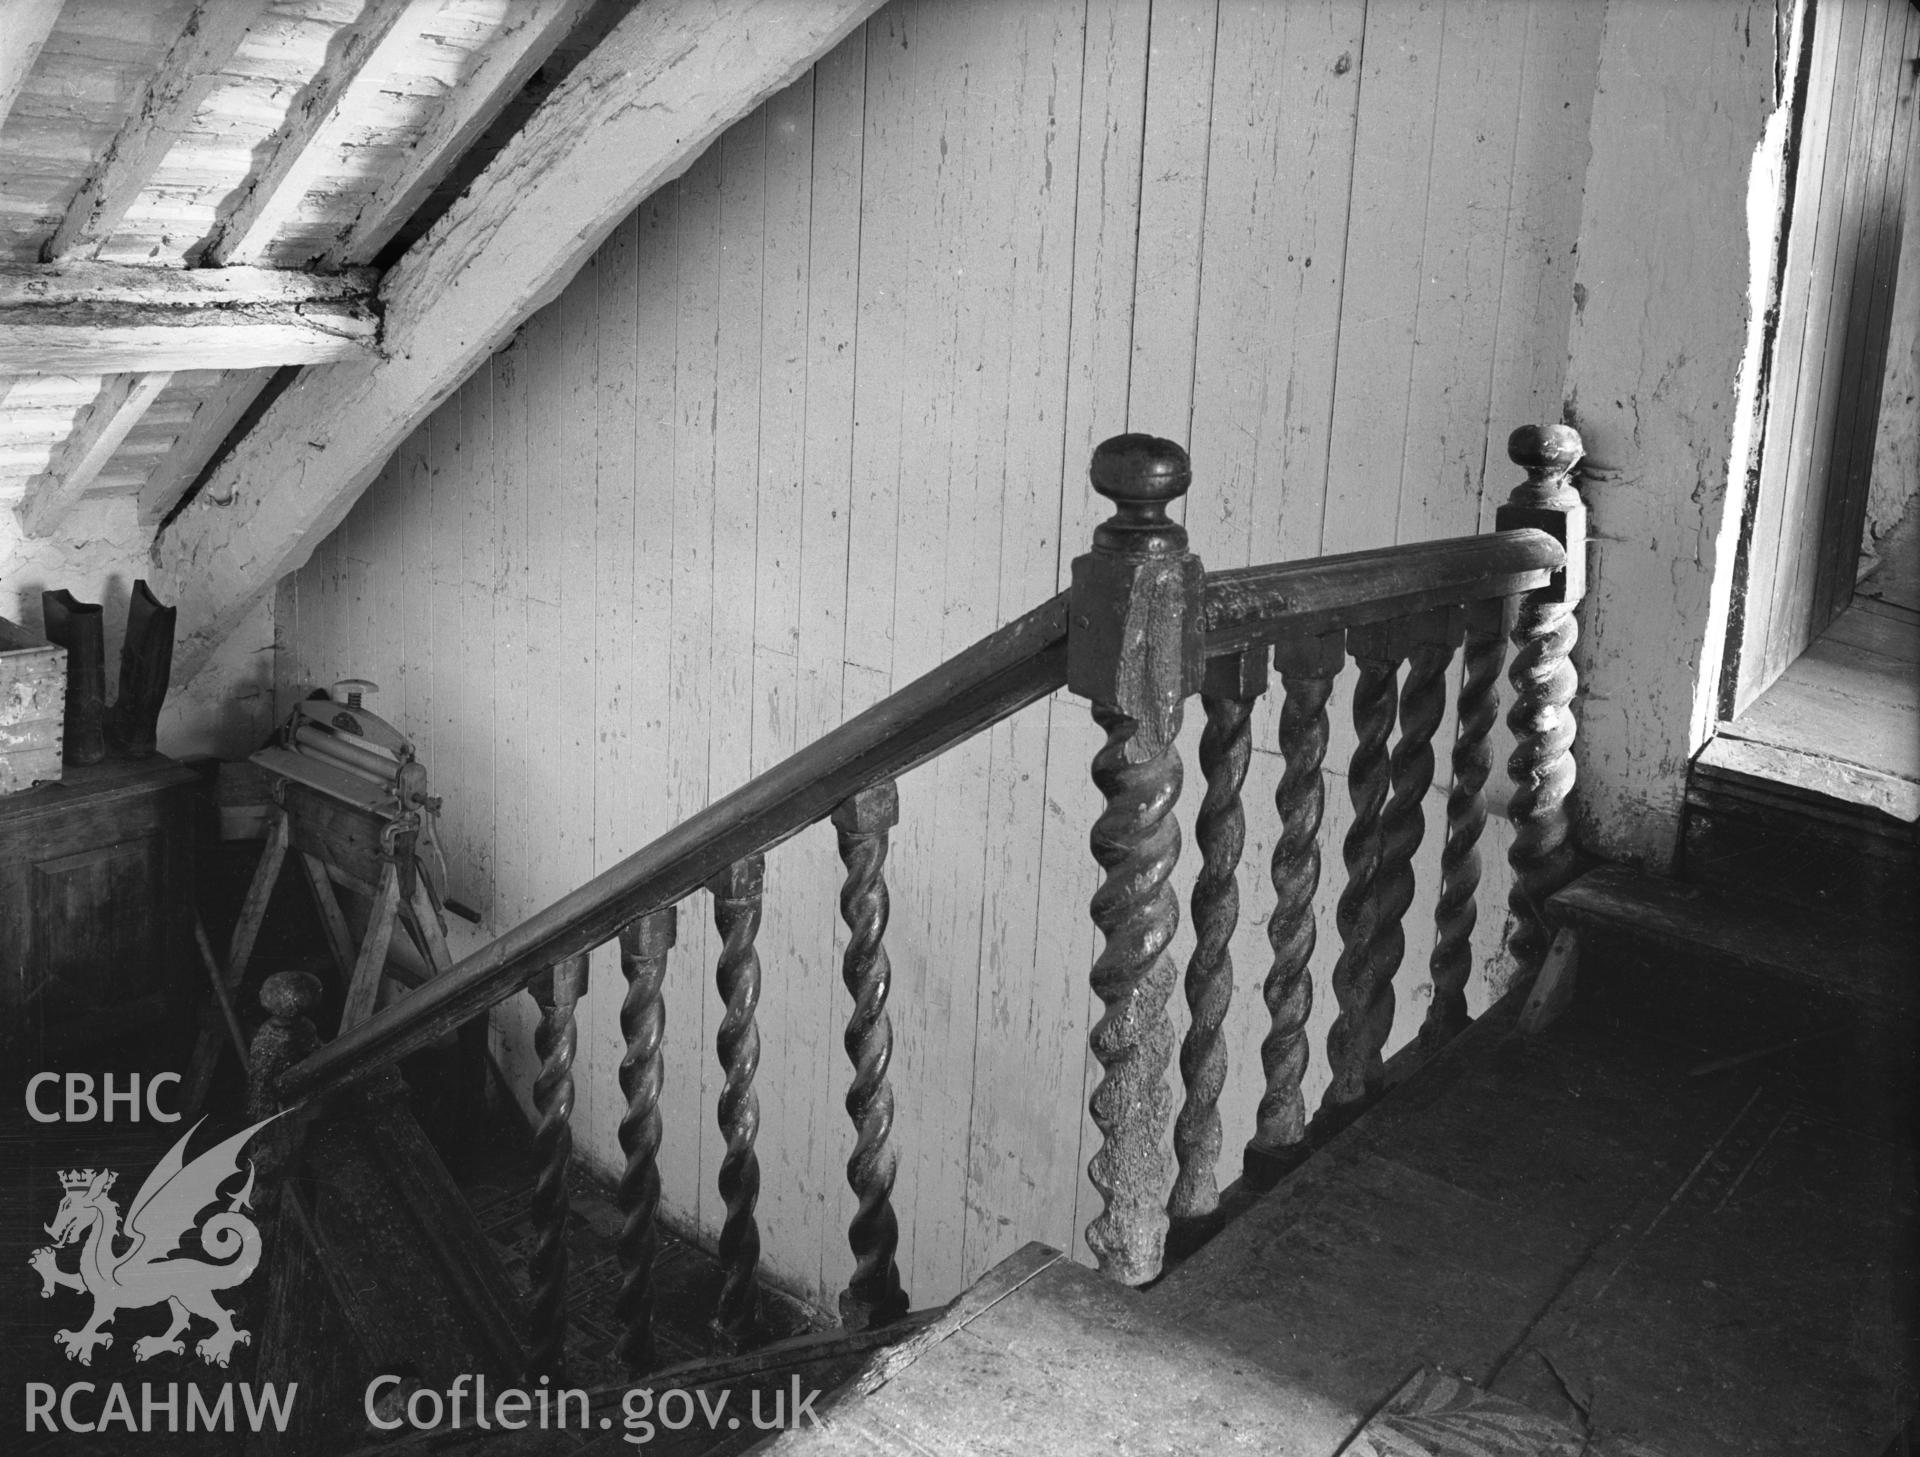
(189, 71)
(105, 318)
(97, 432)
(28, 24)
(634, 114)
(306, 139)
(526, 38)
(212, 423)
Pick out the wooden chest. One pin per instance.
(33, 706)
(96, 915)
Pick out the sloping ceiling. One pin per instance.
(224, 137)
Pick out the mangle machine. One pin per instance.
(350, 803)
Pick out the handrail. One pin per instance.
(995, 678)
(1249, 604)
(1005, 671)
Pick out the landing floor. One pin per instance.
(1655, 1248)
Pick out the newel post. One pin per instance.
(1135, 648)
(1544, 680)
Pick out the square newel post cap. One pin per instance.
(1548, 499)
(1134, 636)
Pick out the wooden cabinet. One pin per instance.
(96, 881)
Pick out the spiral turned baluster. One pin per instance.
(1135, 650)
(1136, 840)
(1233, 686)
(557, 991)
(736, 915)
(1456, 911)
(644, 943)
(1427, 643)
(1307, 667)
(874, 1295)
(1357, 1033)
(1544, 682)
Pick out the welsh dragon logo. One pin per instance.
(147, 1271)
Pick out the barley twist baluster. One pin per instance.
(1456, 911)
(557, 991)
(1544, 681)
(736, 915)
(1307, 667)
(644, 943)
(1134, 648)
(1136, 841)
(1426, 641)
(1233, 686)
(873, 1296)
(1352, 1049)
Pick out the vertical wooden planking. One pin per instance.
(1278, 178)
(884, 340)
(1172, 209)
(690, 1152)
(620, 658)
(800, 1126)
(513, 853)
(1561, 48)
(575, 501)
(936, 563)
(409, 699)
(832, 303)
(1105, 246)
(1026, 1077)
(1399, 80)
(1469, 192)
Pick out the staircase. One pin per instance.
(1472, 1231)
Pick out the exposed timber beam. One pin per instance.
(104, 318)
(97, 433)
(634, 114)
(304, 142)
(28, 24)
(190, 69)
(526, 38)
(212, 423)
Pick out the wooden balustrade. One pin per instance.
(1142, 628)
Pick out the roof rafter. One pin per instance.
(300, 147)
(97, 433)
(213, 420)
(527, 37)
(190, 70)
(634, 114)
(103, 318)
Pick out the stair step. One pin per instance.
(1736, 972)
(1042, 1355)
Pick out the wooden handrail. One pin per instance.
(998, 676)
(1252, 604)
(1001, 674)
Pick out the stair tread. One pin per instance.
(1850, 956)
(1068, 1363)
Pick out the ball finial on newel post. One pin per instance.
(1142, 475)
(1135, 648)
(1548, 454)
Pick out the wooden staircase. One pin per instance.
(1142, 628)
(1627, 1233)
